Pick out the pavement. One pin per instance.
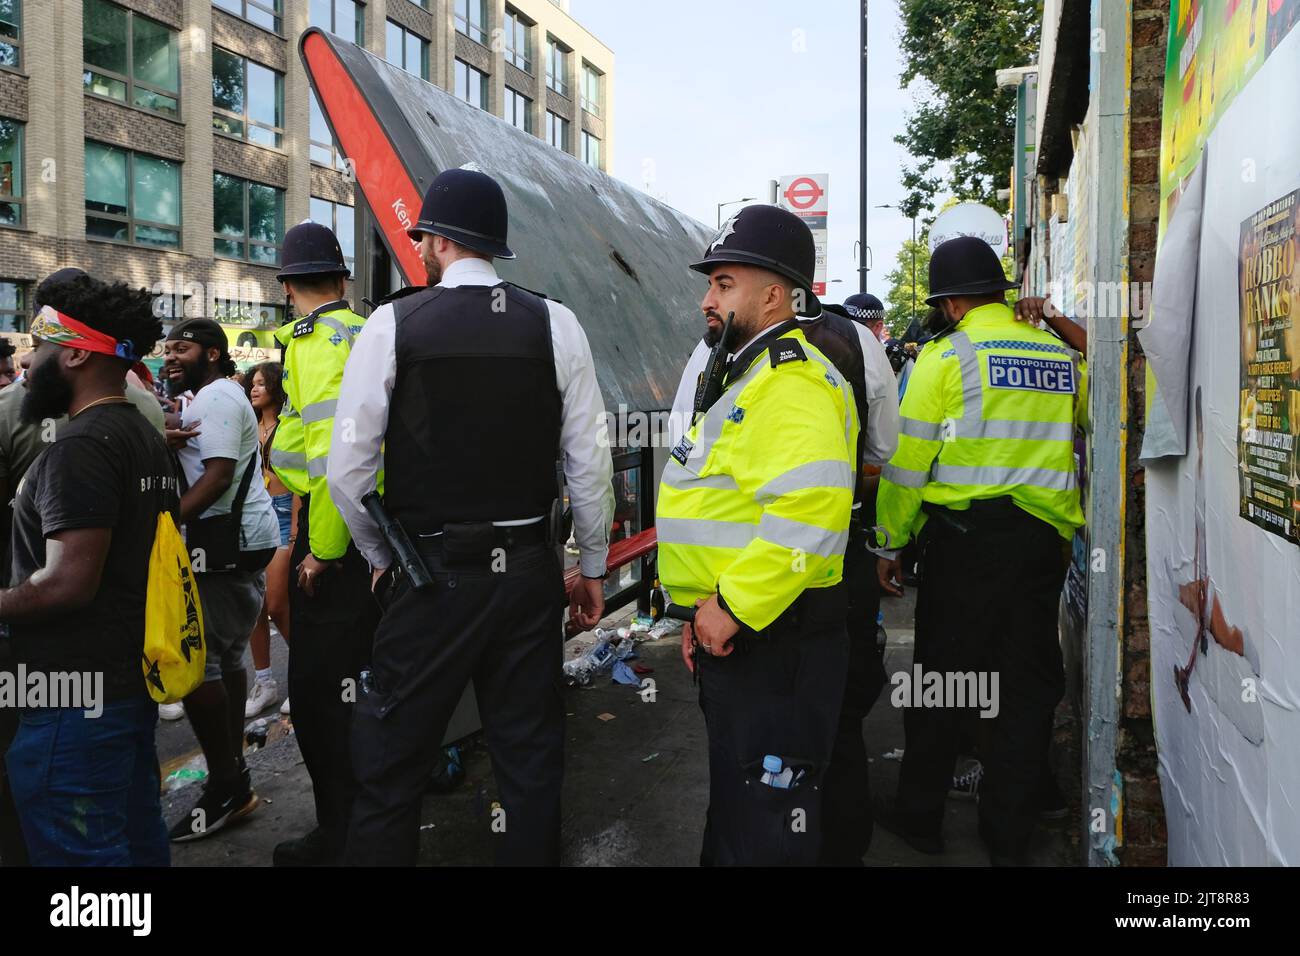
(635, 786)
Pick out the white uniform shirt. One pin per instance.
(355, 459)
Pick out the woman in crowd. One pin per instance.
(263, 386)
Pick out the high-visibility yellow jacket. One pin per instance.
(316, 350)
(755, 502)
(990, 411)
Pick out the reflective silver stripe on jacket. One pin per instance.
(320, 411)
(706, 533)
(990, 476)
(797, 536)
(316, 467)
(288, 460)
(972, 389)
(337, 325)
(905, 477)
(811, 474)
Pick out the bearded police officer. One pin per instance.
(466, 391)
(332, 617)
(844, 334)
(985, 473)
(753, 518)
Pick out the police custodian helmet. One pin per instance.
(966, 265)
(469, 208)
(865, 307)
(771, 238)
(310, 249)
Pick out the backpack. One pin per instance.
(174, 651)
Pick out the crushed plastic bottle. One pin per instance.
(599, 657)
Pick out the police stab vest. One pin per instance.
(475, 416)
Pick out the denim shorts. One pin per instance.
(283, 505)
(87, 789)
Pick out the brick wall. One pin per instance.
(332, 185)
(239, 36)
(248, 161)
(110, 122)
(1145, 837)
(13, 95)
(411, 16)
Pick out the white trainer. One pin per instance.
(284, 708)
(263, 695)
(171, 711)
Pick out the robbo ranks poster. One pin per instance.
(1270, 368)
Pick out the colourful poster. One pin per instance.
(1270, 366)
(1215, 47)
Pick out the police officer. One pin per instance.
(844, 334)
(985, 474)
(865, 308)
(753, 518)
(466, 390)
(331, 613)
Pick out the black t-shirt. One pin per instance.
(109, 468)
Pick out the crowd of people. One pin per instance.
(203, 452)
(346, 497)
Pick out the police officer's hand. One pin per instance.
(889, 570)
(714, 628)
(587, 603)
(688, 647)
(375, 575)
(309, 573)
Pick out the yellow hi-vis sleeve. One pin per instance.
(795, 458)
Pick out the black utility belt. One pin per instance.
(476, 541)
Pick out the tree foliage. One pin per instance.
(898, 301)
(956, 48)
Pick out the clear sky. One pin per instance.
(714, 98)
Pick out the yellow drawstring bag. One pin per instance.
(174, 650)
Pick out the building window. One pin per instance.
(132, 197)
(340, 218)
(248, 219)
(339, 16)
(407, 50)
(557, 66)
(518, 34)
(590, 150)
(471, 19)
(591, 89)
(519, 110)
(11, 173)
(13, 306)
(324, 151)
(557, 131)
(247, 99)
(249, 326)
(11, 24)
(263, 13)
(471, 85)
(130, 58)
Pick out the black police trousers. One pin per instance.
(779, 692)
(328, 648)
(846, 803)
(503, 630)
(987, 604)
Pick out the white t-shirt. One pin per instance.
(228, 429)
